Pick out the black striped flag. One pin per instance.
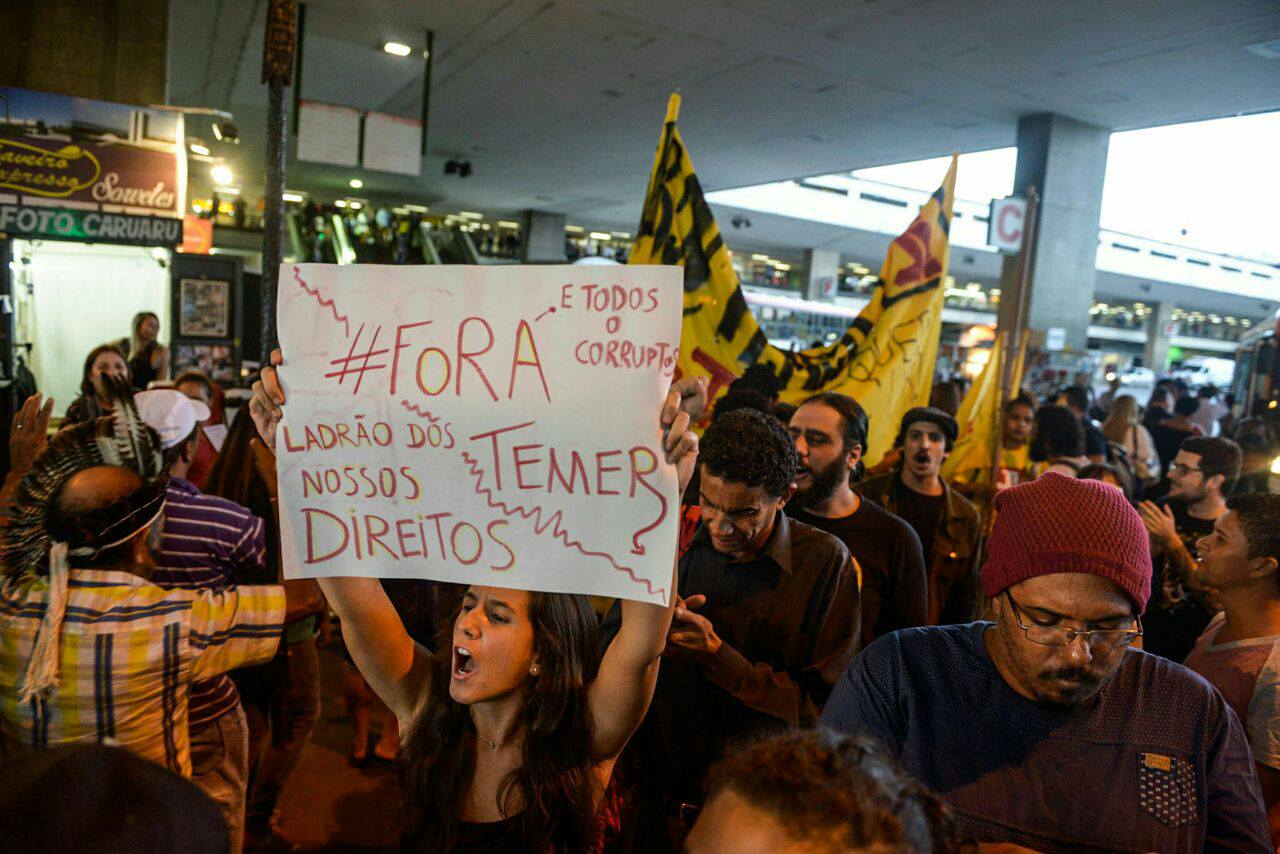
(886, 358)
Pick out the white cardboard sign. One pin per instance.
(480, 425)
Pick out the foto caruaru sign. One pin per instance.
(479, 425)
(45, 223)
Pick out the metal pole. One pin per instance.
(1033, 224)
(427, 61)
(297, 69)
(1011, 340)
(278, 45)
(273, 214)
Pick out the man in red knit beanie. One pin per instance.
(1047, 728)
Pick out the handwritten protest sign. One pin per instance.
(481, 425)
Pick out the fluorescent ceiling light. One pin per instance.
(397, 49)
(356, 183)
(417, 208)
(470, 215)
(291, 197)
(599, 235)
(197, 148)
(340, 203)
(573, 229)
(227, 191)
(502, 223)
(221, 174)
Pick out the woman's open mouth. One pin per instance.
(464, 664)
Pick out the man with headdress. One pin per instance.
(90, 650)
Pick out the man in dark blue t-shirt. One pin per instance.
(1047, 729)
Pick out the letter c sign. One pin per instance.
(1005, 222)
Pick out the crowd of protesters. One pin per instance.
(1075, 649)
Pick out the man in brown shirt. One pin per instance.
(830, 434)
(944, 519)
(768, 622)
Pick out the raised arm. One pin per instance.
(27, 437)
(619, 697)
(397, 668)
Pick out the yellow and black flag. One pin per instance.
(720, 337)
(885, 360)
(974, 456)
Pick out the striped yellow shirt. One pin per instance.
(128, 653)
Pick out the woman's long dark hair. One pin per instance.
(1056, 433)
(235, 478)
(87, 391)
(554, 784)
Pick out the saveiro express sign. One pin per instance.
(124, 158)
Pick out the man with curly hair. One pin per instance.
(767, 621)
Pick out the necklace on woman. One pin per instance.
(492, 743)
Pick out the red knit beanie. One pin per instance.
(1061, 524)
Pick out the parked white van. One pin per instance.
(1205, 370)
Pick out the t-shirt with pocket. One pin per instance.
(1155, 762)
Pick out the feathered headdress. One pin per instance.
(37, 540)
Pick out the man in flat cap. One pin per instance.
(946, 522)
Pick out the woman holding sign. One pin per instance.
(511, 741)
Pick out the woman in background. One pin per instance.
(1057, 441)
(148, 358)
(1124, 427)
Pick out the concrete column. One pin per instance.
(822, 266)
(1156, 353)
(1066, 162)
(543, 237)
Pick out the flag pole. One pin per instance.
(1012, 341)
(997, 434)
(673, 113)
(1026, 259)
(655, 178)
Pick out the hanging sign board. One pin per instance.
(479, 425)
(328, 134)
(91, 154)
(392, 144)
(45, 223)
(1004, 224)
